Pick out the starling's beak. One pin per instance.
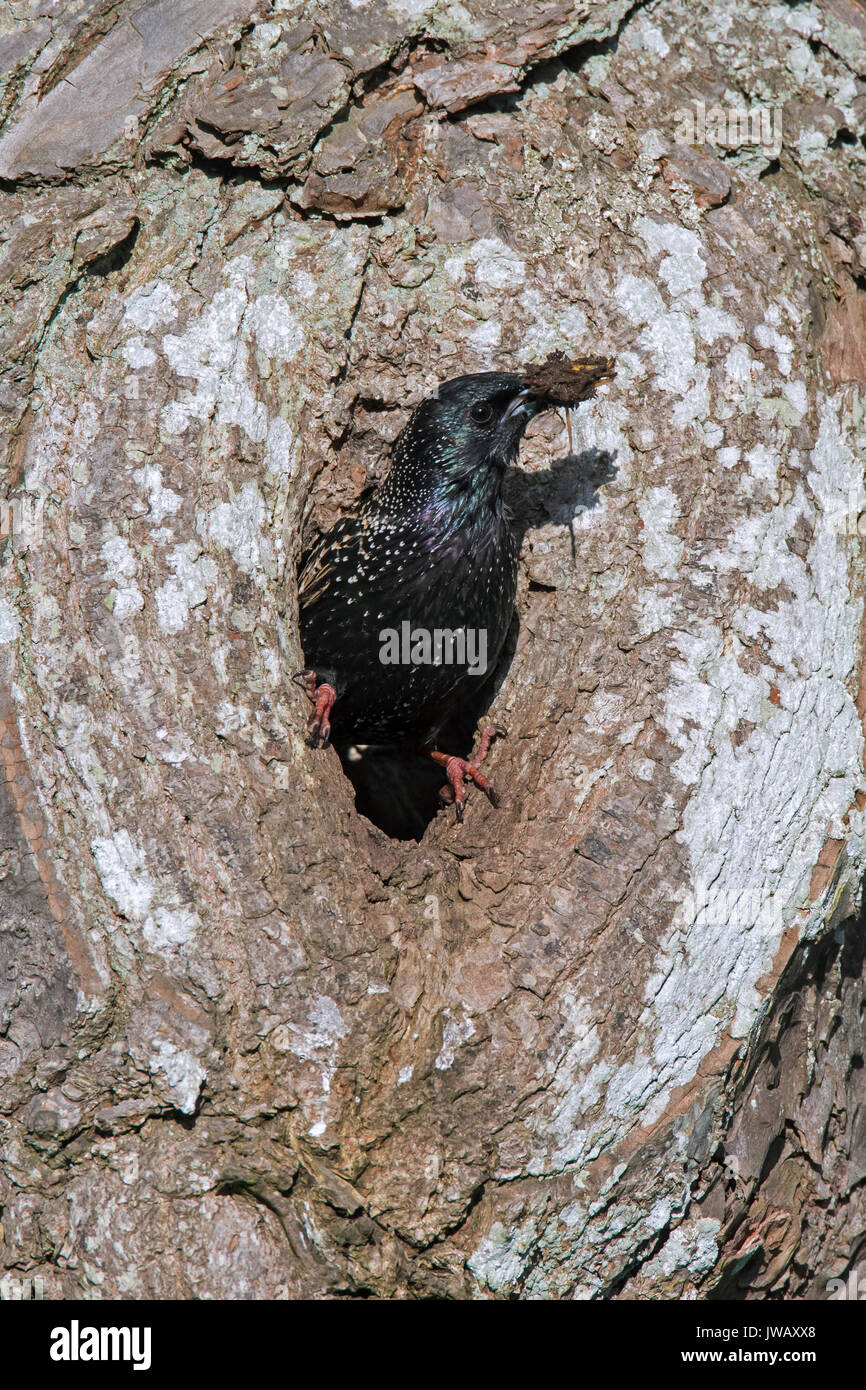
(518, 405)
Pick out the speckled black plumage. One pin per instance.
(432, 546)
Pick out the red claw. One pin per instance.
(322, 696)
(458, 770)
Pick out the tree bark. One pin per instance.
(603, 1041)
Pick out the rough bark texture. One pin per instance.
(605, 1040)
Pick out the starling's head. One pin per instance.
(451, 458)
(476, 422)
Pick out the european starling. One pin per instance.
(430, 552)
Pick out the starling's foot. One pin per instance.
(457, 770)
(321, 696)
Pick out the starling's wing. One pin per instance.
(381, 556)
(320, 566)
(374, 572)
(368, 573)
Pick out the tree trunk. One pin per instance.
(604, 1040)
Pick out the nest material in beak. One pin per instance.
(560, 381)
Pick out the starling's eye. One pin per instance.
(482, 413)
